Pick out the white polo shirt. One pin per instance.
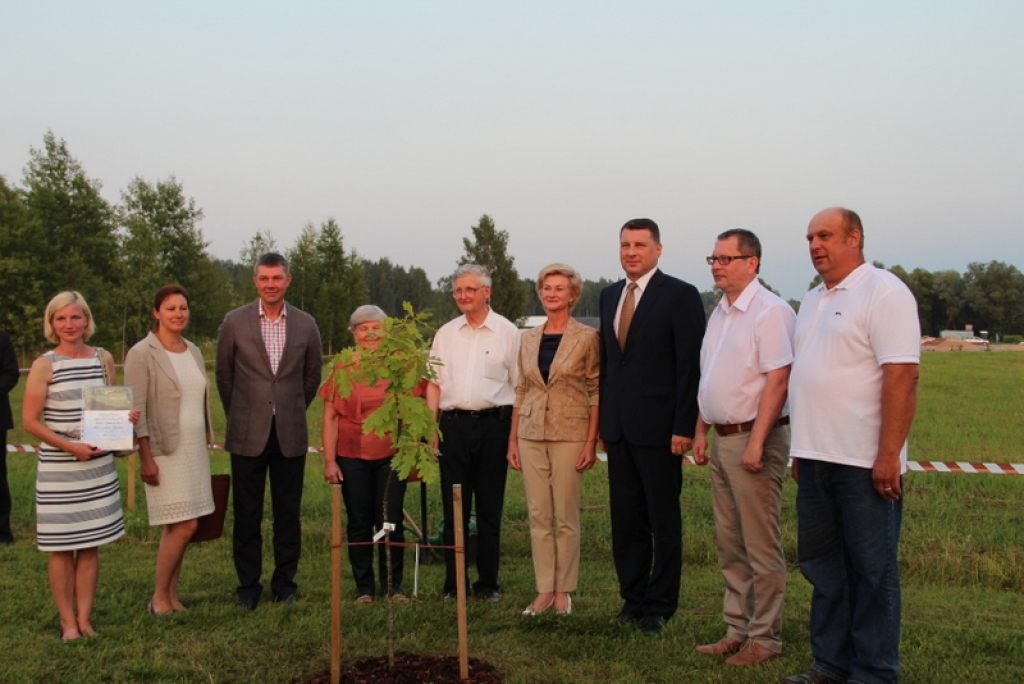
(743, 342)
(843, 338)
(478, 366)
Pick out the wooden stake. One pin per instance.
(131, 480)
(336, 584)
(460, 581)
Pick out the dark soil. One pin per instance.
(410, 668)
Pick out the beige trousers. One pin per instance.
(747, 507)
(553, 499)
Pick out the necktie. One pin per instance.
(626, 315)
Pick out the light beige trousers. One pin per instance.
(747, 507)
(553, 499)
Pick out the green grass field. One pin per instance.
(962, 556)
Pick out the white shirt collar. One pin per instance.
(263, 314)
(851, 280)
(743, 301)
(643, 280)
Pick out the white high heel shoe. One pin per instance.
(568, 606)
(530, 612)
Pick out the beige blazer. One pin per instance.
(157, 394)
(559, 410)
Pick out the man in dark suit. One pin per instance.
(651, 331)
(8, 379)
(268, 372)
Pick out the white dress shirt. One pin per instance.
(477, 368)
(743, 342)
(641, 285)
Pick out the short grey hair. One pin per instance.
(367, 313)
(481, 273)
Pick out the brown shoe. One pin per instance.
(752, 653)
(723, 646)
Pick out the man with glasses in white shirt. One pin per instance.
(744, 375)
(472, 398)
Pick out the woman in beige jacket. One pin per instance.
(172, 392)
(555, 425)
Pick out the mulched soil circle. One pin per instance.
(410, 668)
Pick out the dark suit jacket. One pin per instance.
(252, 396)
(649, 389)
(8, 379)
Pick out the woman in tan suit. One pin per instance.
(172, 392)
(555, 422)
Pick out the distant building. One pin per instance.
(962, 335)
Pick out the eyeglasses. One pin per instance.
(726, 260)
(466, 292)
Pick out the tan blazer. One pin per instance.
(558, 411)
(157, 394)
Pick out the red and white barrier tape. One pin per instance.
(967, 467)
(218, 447)
(936, 466)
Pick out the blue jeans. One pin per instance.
(848, 545)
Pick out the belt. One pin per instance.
(463, 413)
(725, 430)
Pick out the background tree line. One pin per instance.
(58, 233)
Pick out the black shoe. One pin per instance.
(627, 619)
(247, 604)
(812, 677)
(288, 599)
(487, 595)
(652, 624)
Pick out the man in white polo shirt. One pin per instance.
(853, 393)
(744, 374)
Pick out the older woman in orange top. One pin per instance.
(361, 463)
(555, 425)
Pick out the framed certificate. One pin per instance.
(105, 423)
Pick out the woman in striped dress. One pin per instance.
(78, 500)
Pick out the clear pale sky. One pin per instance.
(405, 121)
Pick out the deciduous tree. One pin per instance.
(489, 248)
(77, 249)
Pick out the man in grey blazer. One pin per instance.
(268, 372)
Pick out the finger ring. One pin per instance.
(888, 489)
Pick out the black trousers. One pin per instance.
(473, 454)
(5, 493)
(363, 489)
(248, 485)
(647, 527)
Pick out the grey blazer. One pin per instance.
(157, 393)
(253, 397)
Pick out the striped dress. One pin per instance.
(78, 503)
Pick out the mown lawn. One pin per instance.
(963, 554)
